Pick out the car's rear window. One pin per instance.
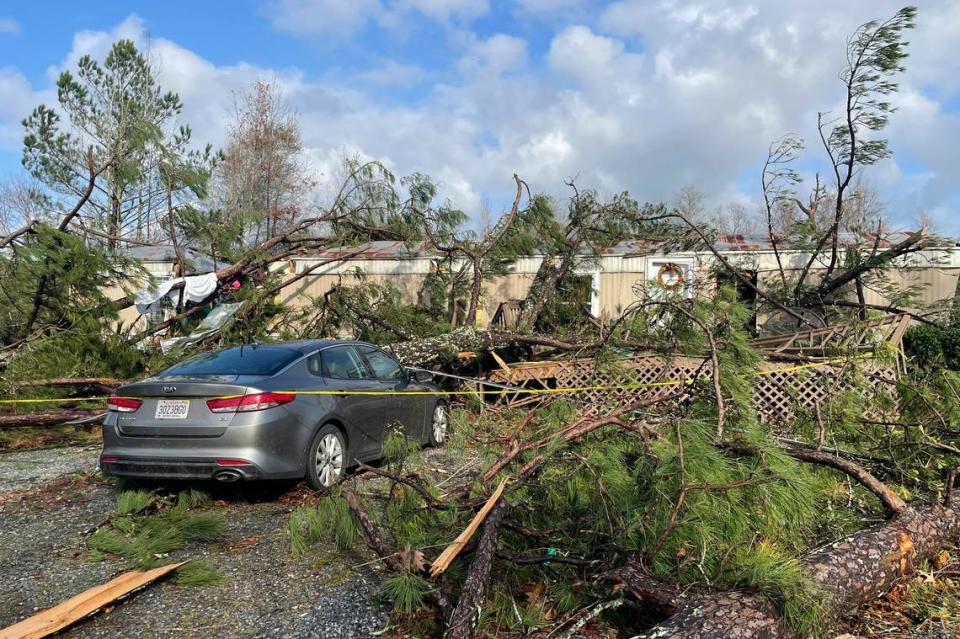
(249, 360)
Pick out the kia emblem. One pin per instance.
(169, 389)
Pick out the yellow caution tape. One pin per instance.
(499, 391)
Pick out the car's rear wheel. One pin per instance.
(327, 460)
(439, 424)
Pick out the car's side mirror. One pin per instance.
(422, 376)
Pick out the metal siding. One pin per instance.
(617, 292)
(303, 291)
(937, 269)
(496, 290)
(933, 285)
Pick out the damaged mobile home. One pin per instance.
(611, 281)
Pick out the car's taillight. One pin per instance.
(123, 404)
(249, 403)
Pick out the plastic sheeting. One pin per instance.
(214, 320)
(195, 289)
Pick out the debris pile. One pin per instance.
(660, 496)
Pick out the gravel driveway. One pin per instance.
(51, 499)
(23, 470)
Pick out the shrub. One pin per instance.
(924, 345)
(950, 340)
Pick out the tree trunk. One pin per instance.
(544, 288)
(861, 300)
(115, 219)
(852, 572)
(914, 242)
(371, 532)
(476, 286)
(42, 420)
(463, 621)
(431, 350)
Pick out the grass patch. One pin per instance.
(193, 498)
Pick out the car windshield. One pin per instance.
(246, 360)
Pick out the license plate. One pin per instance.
(172, 409)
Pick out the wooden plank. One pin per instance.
(524, 371)
(499, 360)
(72, 610)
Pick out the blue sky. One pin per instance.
(648, 96)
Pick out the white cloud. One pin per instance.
(18, 100)
(549, 148)
(393, 73)
(696, 104)
(9, 26)
(323, 17)
(496, 55)
(579, 52)
(339, 19)
(600, 67)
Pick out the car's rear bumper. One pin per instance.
(270, 446)
(184, 469)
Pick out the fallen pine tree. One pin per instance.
(442, 349)
(686, 500)
(697, 497)
(851, 572)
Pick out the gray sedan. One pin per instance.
(269, 411)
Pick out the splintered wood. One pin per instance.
(72, 610)
(442, 562)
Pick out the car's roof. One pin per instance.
(310, 345)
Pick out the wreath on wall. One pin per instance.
(670, 277)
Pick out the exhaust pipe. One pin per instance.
(228, 476)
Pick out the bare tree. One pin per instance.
(23, 199)
(691, 202)
(264, 177)
(734, 219)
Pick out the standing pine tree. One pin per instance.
(110, 145)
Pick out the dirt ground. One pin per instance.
(52, 499)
